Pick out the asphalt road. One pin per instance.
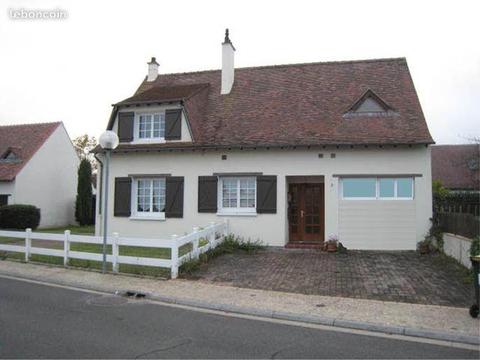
(39, 321)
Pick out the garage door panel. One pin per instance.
(377, 224)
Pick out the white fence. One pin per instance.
(202, 239)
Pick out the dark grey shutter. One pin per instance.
(267, 194)
(123, 193)
(173, 124)
(207, 194)
(174, 196)
(125, 126)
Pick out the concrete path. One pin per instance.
(431, 321)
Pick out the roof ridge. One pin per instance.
(30, 124)
(331, 62)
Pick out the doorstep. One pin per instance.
(305, 245)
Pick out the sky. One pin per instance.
(73, 69)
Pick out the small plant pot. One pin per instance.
(331, 247)
(424, 249)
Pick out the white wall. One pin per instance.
(271, 228)
(49, 180)
(8, 188)
(458, 247)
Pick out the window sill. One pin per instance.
(160, 217)
(149, 141)
(236, 213)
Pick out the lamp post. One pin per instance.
(108, 141)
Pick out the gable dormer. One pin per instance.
(10, 156)
(157, 115)
(370, 104)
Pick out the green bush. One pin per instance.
(19, 217)
(475, 247)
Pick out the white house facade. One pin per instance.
(290, 155)
(38, 166)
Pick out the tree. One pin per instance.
(83, 203)
(84, 144)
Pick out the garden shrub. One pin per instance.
(475, 247)
(19, 217)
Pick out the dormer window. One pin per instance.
(370, 104)
(151, 126)
(9, 156)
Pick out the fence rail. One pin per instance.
(211, 235)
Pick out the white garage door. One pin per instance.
(377, 213)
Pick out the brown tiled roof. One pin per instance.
(456, 166)
(24, 141)
(300, 104)
(163, 94)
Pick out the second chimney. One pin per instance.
(152, 70)
(228, 68)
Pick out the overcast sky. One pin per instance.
(72, 70)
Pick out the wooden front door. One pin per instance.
(306, 212)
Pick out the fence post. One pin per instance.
(196, 240)
(115, 252)
(174, 256)
(213, 238)
(225, 227)
(66, 247)
(28, 243)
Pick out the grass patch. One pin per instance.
(452, 266)
(229, 245)
(74, 229)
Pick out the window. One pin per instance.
(359, 188)
(237, 194)
(151, 126)
(377, 188)
(149, 197)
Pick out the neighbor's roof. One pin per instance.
(299, 104)
(456, 166)
(24, 141)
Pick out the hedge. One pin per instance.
(19, 217)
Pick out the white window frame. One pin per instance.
(240, 211)
(136, 127)
(140, 215)
(377, 188)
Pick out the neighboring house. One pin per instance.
(38, 166)
(289, 154)
(457, 166)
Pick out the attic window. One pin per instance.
(369, 104)
(9, 156)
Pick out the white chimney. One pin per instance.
(228, 69)
(152, 70)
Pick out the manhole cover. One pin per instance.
(107, 300)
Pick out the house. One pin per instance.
(289, 154)
(38, 166)
(457, 166)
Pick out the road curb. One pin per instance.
(279, 315)
(319, 320)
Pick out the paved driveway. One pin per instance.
(390, 276)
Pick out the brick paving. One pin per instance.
(391, 276)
